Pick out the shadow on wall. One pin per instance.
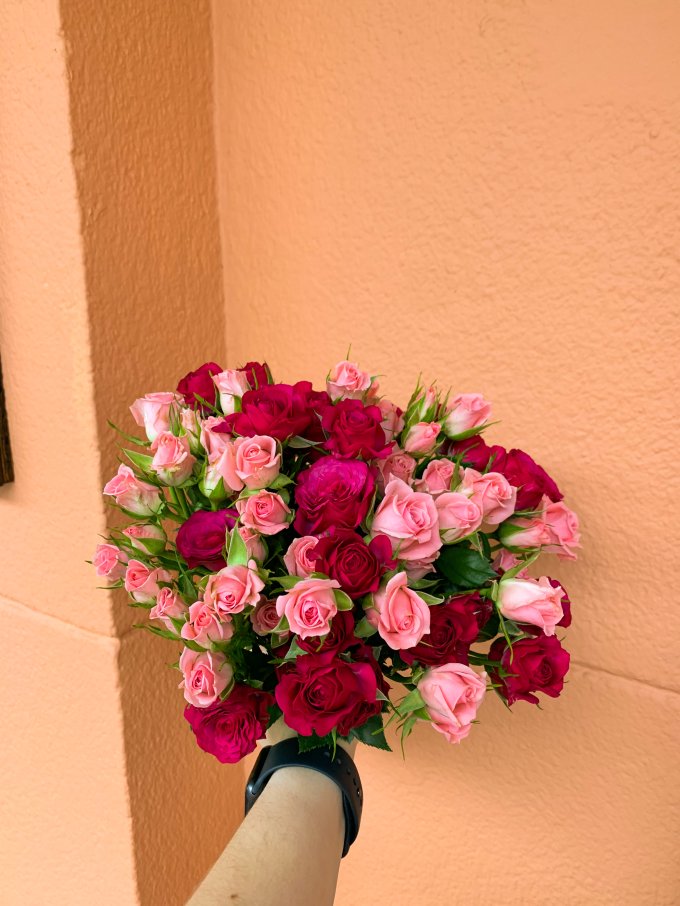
(141, 109)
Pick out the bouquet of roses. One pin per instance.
(315, 552)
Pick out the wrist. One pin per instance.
(307, 778)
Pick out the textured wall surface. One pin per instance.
(143, 151)
(65, 830)
(110, 282)
(488, 191)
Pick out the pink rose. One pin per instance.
(233, 589)
(409, 519)
(531, 601)
(212, 482)
(347, 381)
(563, 529)
(214, 443)
(152, 412)
(253, 462)
(264, 616)
(172, 461)
(524, 534)
(422, 437)
(437, 477)
(309, 607)
(146, 537)
(189, 420)
(397, 465)
(398, 613)
(264, 512)
(142, 582)
(135, 496)
(109, 561)
(458, 516)
(467, 412)
(297, 559)
(493, 494)
(505, 561)
(206, 675)
(418, 569)
(392, 419)
(168, 605)
(205, 626)
(452, 693)
(231, 385)
(255, 546)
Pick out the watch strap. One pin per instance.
(339, 768)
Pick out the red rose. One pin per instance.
(320, 692)
(200, 540)
(229, 729)
(536, 665)
(333, 492)
(340, 636)
(454, 626)
(258, 374)
(355, 430)
(477, 452)
(357, 566)
(517, 466)
(199, 382)
(278, 410)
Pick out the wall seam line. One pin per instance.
(621, 676)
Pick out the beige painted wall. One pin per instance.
(486, 191)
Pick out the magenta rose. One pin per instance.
(201, 539)
(257, 373)
(333, 492)
(320, 692)
(354, 430)
(454, 626)
(229, 729)
(199, 383)
(536, 665)
(357, 566)
(278, 410)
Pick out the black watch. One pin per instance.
(341, 770)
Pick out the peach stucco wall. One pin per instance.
(482, 190)
(488, 191)
(111, 285)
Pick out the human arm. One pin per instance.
(287, 850)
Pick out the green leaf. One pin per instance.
(280, 482)
(307, 743)
(490, 628)
(238, 553)
(372, 733)
(464, 567)
(430, 599)
(129, 437)
(286, 582)
(301, 443)
(343, 600)
(412, 702)
(141, 460)
(363, 629)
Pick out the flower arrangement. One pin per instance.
(315, 552)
